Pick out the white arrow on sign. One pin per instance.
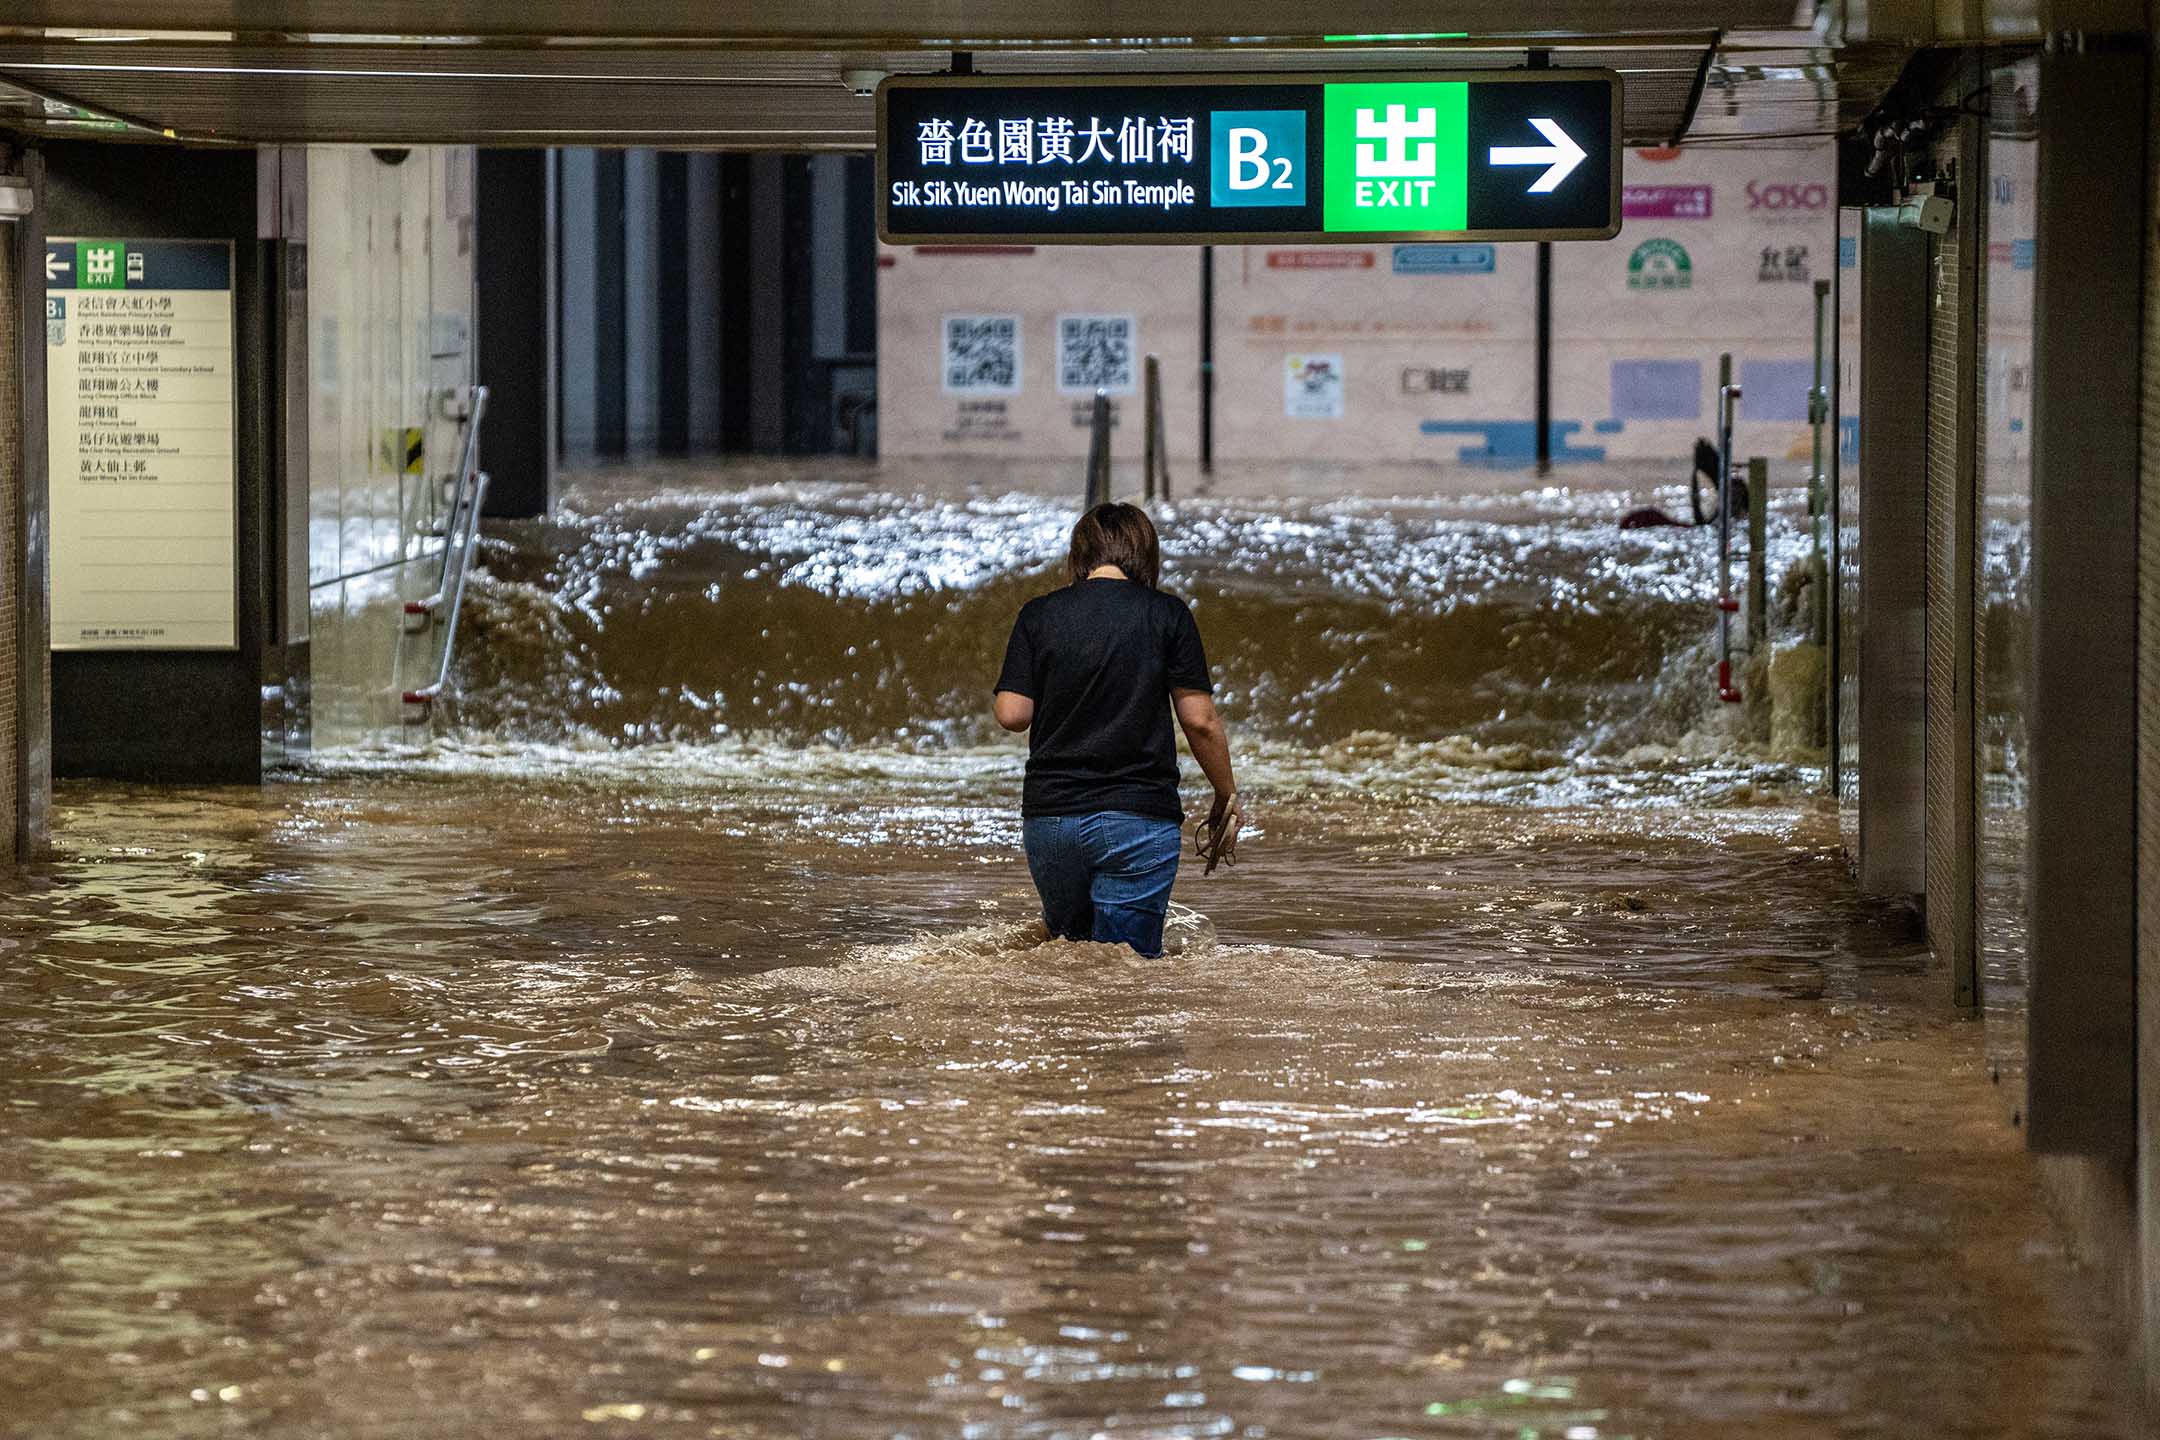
(1562, 156)
(54, 265)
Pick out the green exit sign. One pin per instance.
(1398, 157)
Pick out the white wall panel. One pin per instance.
(390, 303)
(1436, 352)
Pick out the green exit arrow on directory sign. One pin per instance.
(1520, 155)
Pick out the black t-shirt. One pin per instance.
(1099, 658)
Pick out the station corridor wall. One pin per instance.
(1389, 353)
(2031, 460)
(969, 357)
(2040, 481)
(390, 303)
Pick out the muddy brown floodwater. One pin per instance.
(547, 1084)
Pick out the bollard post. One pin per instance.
(1151, 430)
(1098, 463)
(1758, 563)
(1158, 443)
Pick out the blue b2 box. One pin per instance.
(1256, 157)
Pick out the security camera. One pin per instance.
(861, 82)
(1930, 213)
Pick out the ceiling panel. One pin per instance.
(764, 76)
(1805, 91)
(732, 99)
(823, 22)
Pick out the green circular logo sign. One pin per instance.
(1659, 265)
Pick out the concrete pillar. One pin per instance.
(611, 433)
(1892, 629)
(671, 285)
(768, 304)
(25, 632)
(737, 196)
(829, 257)
(2148, 769)
(701, 303)
(1953, 569)
(194, 716)
(516, 328)
(11, 488)
(2089, 250)
(281, 213)
(642, 244)
(576, 224)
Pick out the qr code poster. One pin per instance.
(1095, 352)
(1312, 387)
(982, 355)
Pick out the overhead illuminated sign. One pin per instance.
(1349, 158)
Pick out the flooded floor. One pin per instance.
(666, 1048)
(725, 1093)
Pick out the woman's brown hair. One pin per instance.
(1119, 535)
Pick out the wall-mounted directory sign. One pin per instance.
(1224, 159)
(139, 414)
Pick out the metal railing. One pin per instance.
(461, 539)
(1728, 403)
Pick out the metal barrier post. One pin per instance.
(1758, 578)
(1098, 471)
(1728, 399)
(1151, 428)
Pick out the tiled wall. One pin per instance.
(390, 303)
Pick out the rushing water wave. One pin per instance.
(1523, 624)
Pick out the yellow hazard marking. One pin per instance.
(415, 450)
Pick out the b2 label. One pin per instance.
(1257, 157)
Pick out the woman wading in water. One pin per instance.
(1092, 673)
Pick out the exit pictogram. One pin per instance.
(1397, 156)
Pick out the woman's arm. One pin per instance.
(1210, 742)
(1014, 711)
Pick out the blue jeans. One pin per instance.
(1104, 876)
